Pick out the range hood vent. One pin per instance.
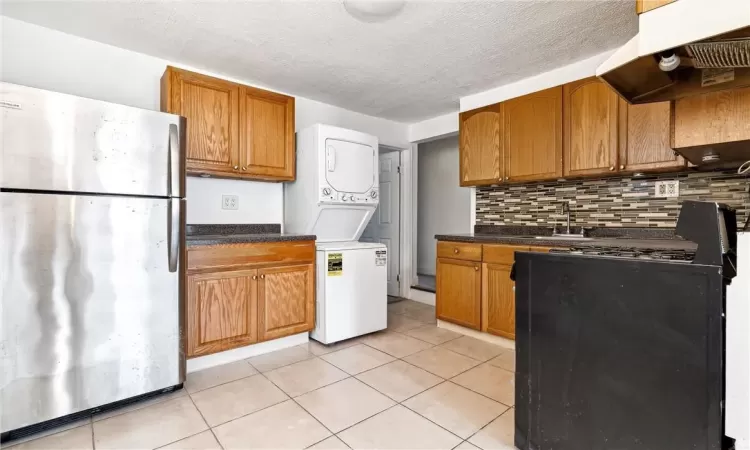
(726, 54)
(727, 155)
(684, 48)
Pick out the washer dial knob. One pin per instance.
(326, 191)
(374, 194)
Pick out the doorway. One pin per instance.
(384, 227)
(442, 206)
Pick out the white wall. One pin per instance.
(555, 77)
(434, 128)
(43, 58)
(443, 207)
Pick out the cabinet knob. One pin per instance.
(507, 178)
(236, 167)
(244, 168)
(611, 168)
(455, 250)
(262, 277)
(255, 277)
(622, 167)
(476, 268)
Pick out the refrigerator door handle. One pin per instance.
(173, 161)
(173, 232)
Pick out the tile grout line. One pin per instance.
(186, 437)
(459, 374)
(305, 410)
(488, 424)
(427, 418)
(93, 440)
(205, 421)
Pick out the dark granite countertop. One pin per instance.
(637, 238)
(199, 235)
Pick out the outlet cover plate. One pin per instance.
(667, 189)
(230, 202)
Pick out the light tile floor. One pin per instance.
(412, 386)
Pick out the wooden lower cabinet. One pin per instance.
(498, 300)
(286, 301)
(240, 294)
(222, 308)
(479, 294)
(458, 292)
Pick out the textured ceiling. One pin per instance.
(411, 67)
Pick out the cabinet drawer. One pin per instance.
(459, 250)
(502, 254)
(252, 254)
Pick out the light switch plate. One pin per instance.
(230, 202)
(667, 189)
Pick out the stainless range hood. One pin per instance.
(695, 53)
(711, 42)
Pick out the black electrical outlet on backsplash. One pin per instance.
(608, 202)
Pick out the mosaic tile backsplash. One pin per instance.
(608, 202)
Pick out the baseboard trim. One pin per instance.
(428, 298)
(491, 338)
(237, 354)
(424, 289)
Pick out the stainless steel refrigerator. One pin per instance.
(92, 257)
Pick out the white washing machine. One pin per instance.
(351, 290)
(334, 197)
(336, 190)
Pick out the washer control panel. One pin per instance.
(329, 195)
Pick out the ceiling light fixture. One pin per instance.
(373, 10)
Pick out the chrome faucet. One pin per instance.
(566, 211)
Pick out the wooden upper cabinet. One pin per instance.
(642, 6)
(221, 311)
(645, 138)
(232, 130)
(590, 117)
(712, 118)
(267, 139)
(532, 136)
(210, 107)
(459, 292)
(286, 300)
(479, 146)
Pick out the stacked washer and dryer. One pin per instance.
(334, 197)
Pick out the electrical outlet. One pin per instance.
(230, 202)
(667, 189)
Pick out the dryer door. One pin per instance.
(350, 166)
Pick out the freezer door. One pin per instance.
(58, 142)
(91, 310)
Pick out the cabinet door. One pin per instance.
(286, 300)
(590, 111)
(222, 311)
(480, 151)
(498, 300)
(211, 108)
(712, 118)
(458, 292)
(532, 136)
(645, 139)
(266, 134)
